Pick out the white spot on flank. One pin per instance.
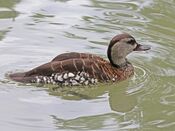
(37, 79)
(86, 82)
(55, 76)
(87, 75)
(52, 75)
(81, 82)
(96, 80)
(65, 76)
(83, 74)
(48, 81)
(59, 78)
(74, 82)
(77, 77)
(45, 79)
(70, 74)
(82, 79)
(93, 80)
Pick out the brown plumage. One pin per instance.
(80, 68)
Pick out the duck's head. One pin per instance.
(120, 46)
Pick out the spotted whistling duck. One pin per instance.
(84, 69)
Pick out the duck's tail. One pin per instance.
(20, 77)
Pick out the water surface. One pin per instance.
(32, 32)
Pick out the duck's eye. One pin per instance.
(132, 42)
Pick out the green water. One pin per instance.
(32, 32)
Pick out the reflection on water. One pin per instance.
(93, 122)
(119, 100)
(32, 32)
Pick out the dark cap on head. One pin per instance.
(119, 37)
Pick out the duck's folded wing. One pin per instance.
(70, 65)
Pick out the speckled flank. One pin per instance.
(66, 79)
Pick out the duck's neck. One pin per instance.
(119, 63)
(118, 59)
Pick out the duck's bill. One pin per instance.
(142, 47)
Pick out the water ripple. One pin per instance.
(139, 80)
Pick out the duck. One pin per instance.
(75, 69)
